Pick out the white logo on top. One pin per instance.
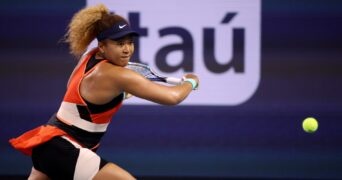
(122, 26)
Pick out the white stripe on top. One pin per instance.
(69, 114)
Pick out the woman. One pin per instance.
(65, 147)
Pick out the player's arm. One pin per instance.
(137, 85)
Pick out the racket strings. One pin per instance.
(143, 71)
(148, 73)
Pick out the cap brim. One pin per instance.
(123, 34)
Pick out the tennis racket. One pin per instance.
(147, 72)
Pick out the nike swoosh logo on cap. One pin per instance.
(122, 26)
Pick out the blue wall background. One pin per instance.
(301, 77)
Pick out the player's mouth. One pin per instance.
(125, 57)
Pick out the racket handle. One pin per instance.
(173, 80)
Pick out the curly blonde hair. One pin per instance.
(86, 24)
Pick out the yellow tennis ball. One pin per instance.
(310, 125)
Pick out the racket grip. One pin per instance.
(173, 80)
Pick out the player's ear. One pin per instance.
(101, 45)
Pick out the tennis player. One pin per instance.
(65, 147)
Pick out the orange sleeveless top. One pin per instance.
(76, 118)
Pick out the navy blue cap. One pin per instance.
(117, 31)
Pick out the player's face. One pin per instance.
(119, 51)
